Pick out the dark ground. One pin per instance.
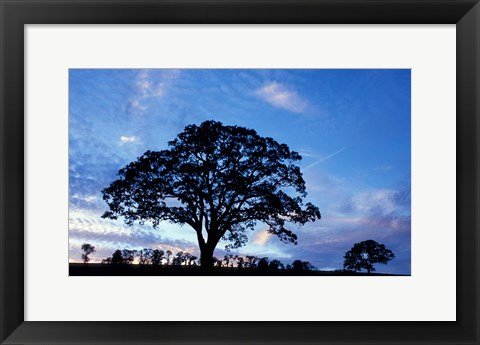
(137, 270)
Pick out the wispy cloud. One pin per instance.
(126, 140)
(282, 96)
(146, 87)
(376, 201)
(323, 159)
(261, 237)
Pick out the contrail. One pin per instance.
(323, 159)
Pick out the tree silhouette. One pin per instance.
(240, 262)
(299, 265)
(128, 256)
(145, 256)
(226, 258)
(251, 261)
(263, 264)
(117, 258)
(216, 262)
(178, 259)
(192, 260)
(88, 249)
(275, 265)
(220, 180)
(364, 254)
(186, 258)
(107, 261)
(307, 266)
(157, 257)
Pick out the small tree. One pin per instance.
(169, 256)
(216, 262)
(307, 266)
(145, 256)
(226, 258)
(157, 257)
(192, 260)
(263, 263)
(365, 254)
(117, 258)
(128, 256)
(178, 259)
(88, 249)
(275, 265)
(107, 261)
(251, 261)
(186, 258)
(240, 262)
(299, 265)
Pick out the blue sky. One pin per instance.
(352, 128)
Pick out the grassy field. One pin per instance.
(138, 270)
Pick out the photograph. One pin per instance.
(239, 172)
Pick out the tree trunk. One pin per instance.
(207, 248)
(206, 257)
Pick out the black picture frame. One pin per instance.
(17, 13)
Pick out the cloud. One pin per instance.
(375, 201)
(146, 87)
(281, 96)
(261, 237)
(125, 139)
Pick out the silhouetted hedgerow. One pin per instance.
(157, 257)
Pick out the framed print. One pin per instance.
(239, 172)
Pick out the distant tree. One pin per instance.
(157, 257)
(240, 262)
(169, 256)
(275, 265)
(226, 258)
(220, 180)
(299, 265)
(235, 260)
(186, 258)
(232, 259)
(87, 249)
(307, 266)
(192, 260)
(217, 262)
(145, 256)
(251, 261)
(107, 261)
(128, 256)
(178, 259)
(263, 263)
(117, 258)
(365, 254)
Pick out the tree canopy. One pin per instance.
(87, 249)
(364, 254)
(220, 180)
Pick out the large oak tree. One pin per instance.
(220, 180)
